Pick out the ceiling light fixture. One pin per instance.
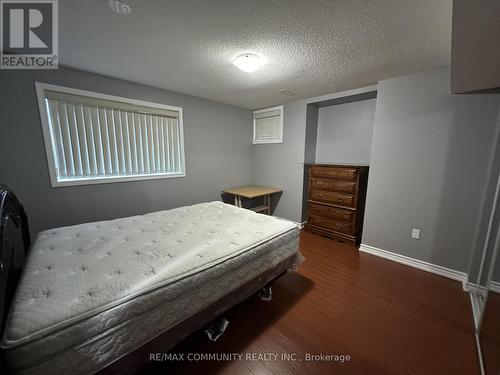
(249, 62)
(288, 92)
(119, 6)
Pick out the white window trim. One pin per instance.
(277, 108)
(40, 92)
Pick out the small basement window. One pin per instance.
(268, 125)
(92, 138)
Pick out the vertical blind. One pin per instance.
(99, 139)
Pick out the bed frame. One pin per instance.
(14, 246)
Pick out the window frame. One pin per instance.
(264, 110)
(49, 147)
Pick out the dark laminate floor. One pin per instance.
(490, 335)
(390, 319)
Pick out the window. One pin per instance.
(268, 125)
(95, 138)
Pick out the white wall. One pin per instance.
(345, 132)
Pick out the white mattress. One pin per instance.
(93, 292)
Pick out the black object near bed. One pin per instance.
(14, 245)
(14, 248)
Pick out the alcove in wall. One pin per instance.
(339, 131)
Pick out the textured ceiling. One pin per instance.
(312, 47)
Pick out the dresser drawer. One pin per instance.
(332, 198)
(331, 185)
(329, 223)
(332, 212)
(335, 173)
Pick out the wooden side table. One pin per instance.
(250, 192)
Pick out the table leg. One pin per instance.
(268, 204)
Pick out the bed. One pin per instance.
(93, 293)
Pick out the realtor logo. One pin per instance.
(29, 34)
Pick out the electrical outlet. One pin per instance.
(415, 234)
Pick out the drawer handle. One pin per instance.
(341, 199)
(341, 187)
(339, 226)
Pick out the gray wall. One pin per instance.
(282, 164)
(475, 56)
(428, 168)
(345, 132)
(480, 250)
(312, 113)
(217, 146)
(496, 270)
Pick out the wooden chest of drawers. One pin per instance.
(336, 201)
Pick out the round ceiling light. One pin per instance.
(249, 62)
(119, 6)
